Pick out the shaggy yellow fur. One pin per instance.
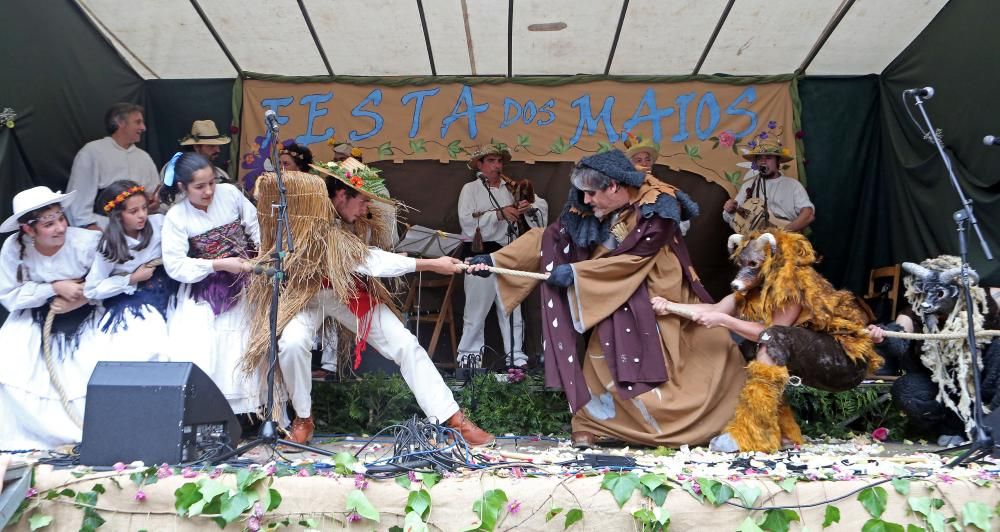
(789, 278)
(789, 427)
(755, 425)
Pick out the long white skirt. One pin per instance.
(137, 339)
(32, 415)
(216, 344)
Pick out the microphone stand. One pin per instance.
(511, 236)
(982, 442)
(268, 434)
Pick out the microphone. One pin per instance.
(924, 92)
(271, 121)
(990, 140)
(481, 176)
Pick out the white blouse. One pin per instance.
(72, 261)
(184, 221)
(108, 279)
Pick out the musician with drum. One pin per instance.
(769, 199)
(494, 210)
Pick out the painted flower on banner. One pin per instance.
(727, 139)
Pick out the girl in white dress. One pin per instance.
(135, 296)
(41, 269)
(207, 238)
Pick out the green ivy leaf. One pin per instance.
(211, 491)
(246, 478)
(38, 520)
(99, 488)
(420, 502)
(831, 516)
(692, 151)
(572, 517)
(976, 514)
(356, 501)
(344, 463)
(455, 148)
(620, 485)
(878, 525)
(524, 140)
(936, 521)
(429, 479)
(275, 499)
(777, 520)
(559, 146)
(488, 508)
(417, 146)
(234, 506)
(902, 486)
(552, 513)
(85, 499)
(413, 523)
(748, 525)
(747, 493)
(874, 499)
(403, 481)
(385, 149)
(915, 528)
(308, 523)
(657, 495)
(603, 147)
(788, 484)
(145, 477)
(688, 487)
(652, 480)
(716, 492)
(91, 521)
(185, 496)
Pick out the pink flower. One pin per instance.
(139, 496)
(727, 139)
(880, 434)
(696, 487)
(353, 517)
(270, 470)
(119, 467)
(31, 492)
(514, 506)
(253, 523)
(303, 473)
(164, 471)
(412, 476)
(360, 482)
(517, 472)
(258, 510)
(187, 472)
(216, 473)
(947, 479)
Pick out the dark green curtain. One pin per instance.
(60, 75)
(955, 54)
(173, 104)
(840, 124)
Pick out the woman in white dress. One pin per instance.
(135, 296)
(41, 269)
(207, 238)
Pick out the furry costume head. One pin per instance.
(933, 287)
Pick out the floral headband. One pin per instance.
(109, 206)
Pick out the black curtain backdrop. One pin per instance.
(173, 104)
(956, 54)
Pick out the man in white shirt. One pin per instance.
(785, 198)
(496, 225)
(104, 161)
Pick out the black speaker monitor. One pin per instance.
(156, 412)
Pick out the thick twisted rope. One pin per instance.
(50, 365)
(675, 309)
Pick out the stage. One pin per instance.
(520, 485)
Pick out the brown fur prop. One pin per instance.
(787, 277)
(321, 252)
(755, 425)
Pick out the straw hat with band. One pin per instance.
(488, 149)
(204, 132)
(358, 176)
(33, 199)
(767, 142)
(635, 144)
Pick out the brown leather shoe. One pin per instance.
(584, 440)
(474, 436)
(302, 430)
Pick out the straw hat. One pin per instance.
(635, 144)
(31, 199)
(204, 132)
(488, 149)
(358, 176)
(767, 142)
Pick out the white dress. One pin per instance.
(136, 330)
(215, 342)
(32, 415)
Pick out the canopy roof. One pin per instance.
(172, 39)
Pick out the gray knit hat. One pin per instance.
(616, 166)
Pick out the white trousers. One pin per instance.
(481, 294)
(388, 336)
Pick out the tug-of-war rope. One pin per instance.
(674, 309)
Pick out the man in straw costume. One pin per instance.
(333, 273)
(645, 379)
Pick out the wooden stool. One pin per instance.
(440, 316)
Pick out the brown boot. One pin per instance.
(474, 436)
(302, 430)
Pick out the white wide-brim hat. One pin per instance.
(31, 199)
